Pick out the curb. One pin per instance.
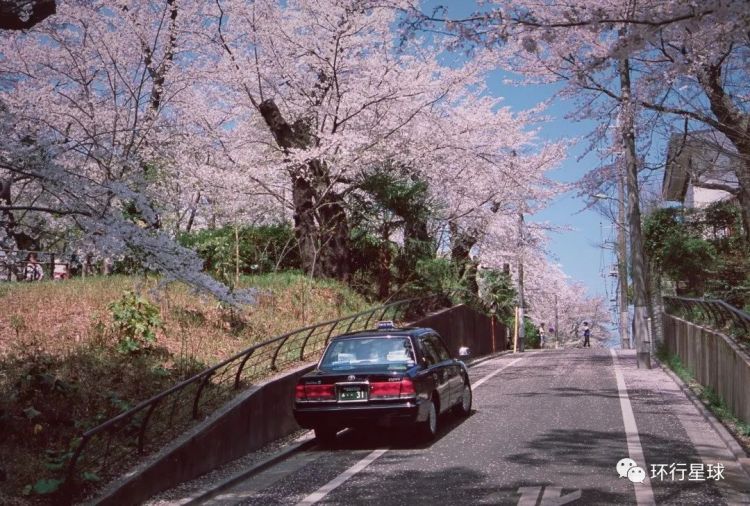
(254, 469)
(729, 440)
(488, 357)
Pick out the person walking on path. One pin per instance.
(586, 335)
(541, 335)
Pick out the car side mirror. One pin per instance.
(464, 352)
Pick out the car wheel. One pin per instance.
(326, 436)
(427, 430)
(463, 408)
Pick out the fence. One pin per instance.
(13, 264)
(116, 444)
(713, 313)
(697, 331)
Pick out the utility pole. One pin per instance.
(521, 325)
(622, 263)
(637, 262)
(557, 331)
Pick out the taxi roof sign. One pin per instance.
(386, 324)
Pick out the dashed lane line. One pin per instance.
(341, 479)
(494, 373)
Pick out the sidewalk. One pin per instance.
(660, 401)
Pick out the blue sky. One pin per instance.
(577, 251)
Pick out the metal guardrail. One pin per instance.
(156, 421)
(712, 312)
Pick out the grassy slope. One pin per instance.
(56, 345)
(58, 317)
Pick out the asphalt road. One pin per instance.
(547, 428)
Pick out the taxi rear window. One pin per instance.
(393, 353)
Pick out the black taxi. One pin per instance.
(389, 377)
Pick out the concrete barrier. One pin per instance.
(713, 359)
(263, 413)
(462, 326)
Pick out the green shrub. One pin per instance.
(261, 249)
(134, 322)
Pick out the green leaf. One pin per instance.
(89, 476)
(48, 486)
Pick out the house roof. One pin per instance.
(702, 156)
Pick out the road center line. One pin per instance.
(341, 479)
(494, 373)
(643, 493)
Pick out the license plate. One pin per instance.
(352, 393)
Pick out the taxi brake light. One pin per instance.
(299, 392)
(320, 392)
(407, 388)
(392, 389)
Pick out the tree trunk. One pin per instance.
(461, 244)
(22, 240)
(735, 125)
(304, 224)
(384, 264)
(743, 197)
(637, 258)
(320, 222)
(22, 15)
(333, 226)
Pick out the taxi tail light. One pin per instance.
(407, 388)
(299, 392)
(315, 392)
(392, 389)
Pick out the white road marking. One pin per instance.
(529, 496)
(553, 496)
(341, 479)
(644, 495)
(490, 375)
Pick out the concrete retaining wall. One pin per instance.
(263, 414)
(462, 326)
(714, 360)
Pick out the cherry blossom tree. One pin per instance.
(337, 95)
(134, 120)
(92, 128)
(688, 62)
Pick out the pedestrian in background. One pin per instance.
(33, 270)
(586, 335)
(541, 335)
